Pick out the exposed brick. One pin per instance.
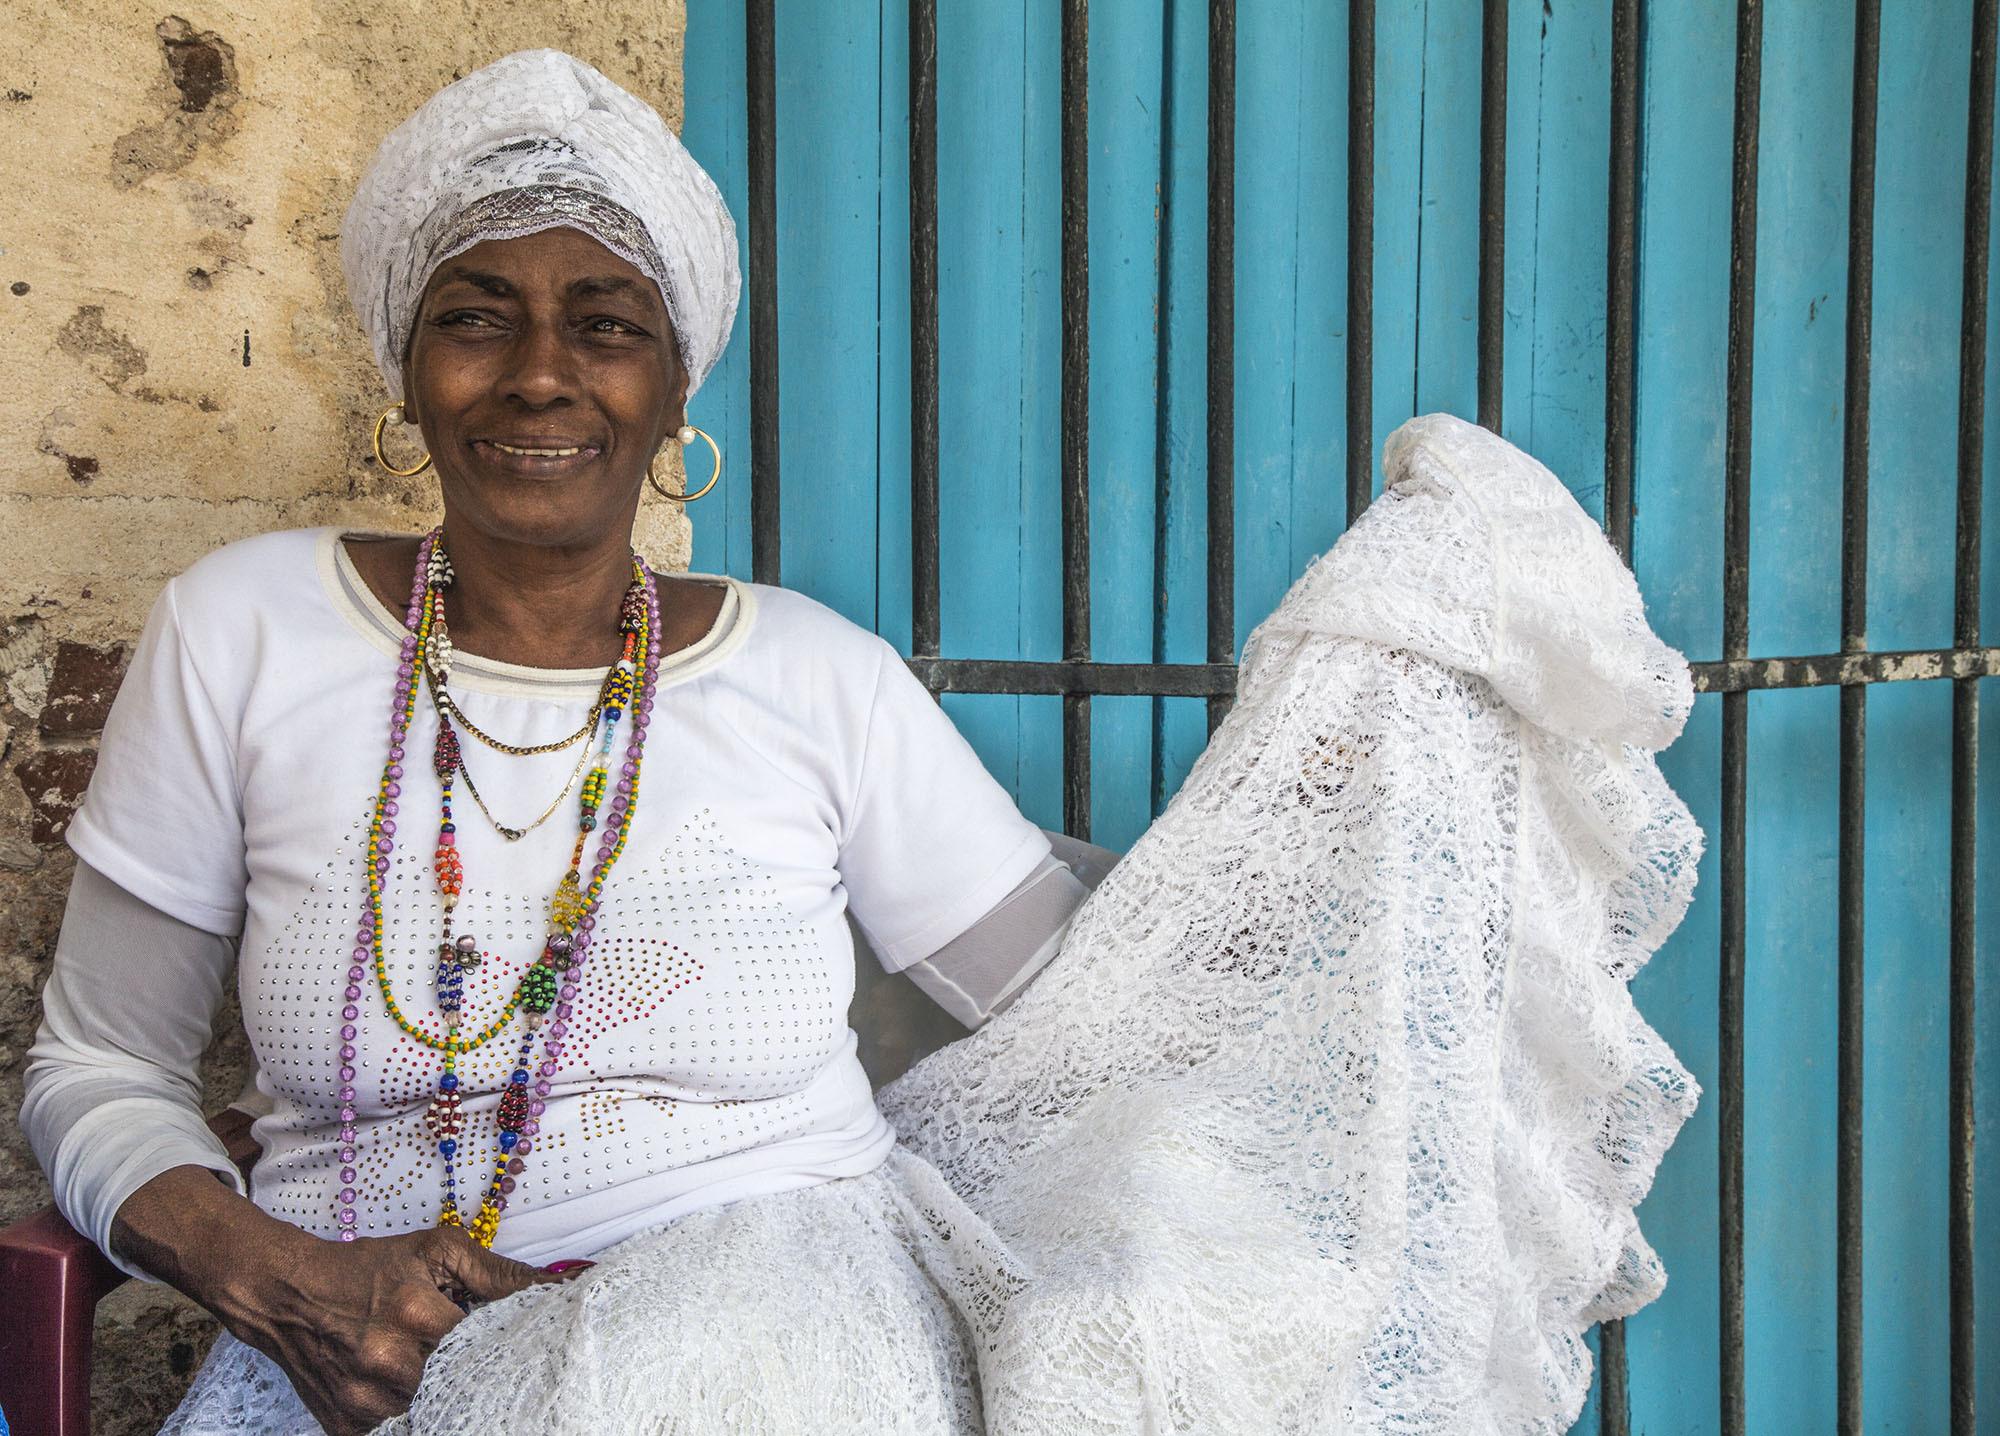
(81, 687)
(54, 782)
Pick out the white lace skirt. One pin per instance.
(829, 1308)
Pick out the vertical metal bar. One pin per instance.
(1621, 271)
(1622, 276)
(1735, 706)
(1076, 404)
(1221, 342)
(1360, 255)
(1492, 208)
(924, 602)
(1965, 705)
(761, 84)
(1854, 718)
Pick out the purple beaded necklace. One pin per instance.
(550, 984)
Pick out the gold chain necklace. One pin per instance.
(516, 834)
(444, 700)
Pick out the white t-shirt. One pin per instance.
(794, 769)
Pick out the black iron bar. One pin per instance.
(1854, 721)
(1184, 680)
(1621, 273)
(1965, 708)
(1076, 406)
(1122, 680)
(924, 603)
(1221, 342)
(761, 104)
(1621, 276)
(1360, 255)
(1737, 675)
(1735, 705)
(1492, 209)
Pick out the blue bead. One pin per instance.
(448, 1082)
(519, 1077)
(508, 1139)
(448, 1147)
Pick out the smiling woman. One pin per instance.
(545, 376)
(488, 1038)
(1327, 1111)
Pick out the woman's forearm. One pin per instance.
(198, 1235)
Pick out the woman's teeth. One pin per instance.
(536, 453)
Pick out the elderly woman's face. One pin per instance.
(544, 374)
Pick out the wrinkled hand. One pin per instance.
(351, 1323)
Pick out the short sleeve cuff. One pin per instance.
(899, 951)
(98, 848)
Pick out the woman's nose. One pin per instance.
(543, 370)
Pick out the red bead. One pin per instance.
(513, 1106)
(445, 756)
(444, 1119)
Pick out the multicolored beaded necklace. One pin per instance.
(548, 987)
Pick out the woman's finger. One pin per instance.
(485, 1275)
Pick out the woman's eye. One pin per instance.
(463, 319)
(605, 324)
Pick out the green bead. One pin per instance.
(538, 988)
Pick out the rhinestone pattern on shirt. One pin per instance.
(709, 1010)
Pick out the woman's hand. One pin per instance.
(351, 1323)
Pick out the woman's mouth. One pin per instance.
(534, 459)
(537, 453)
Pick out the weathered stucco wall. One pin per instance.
(178, 368)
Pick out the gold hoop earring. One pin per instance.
(687, 434)
(381, 423)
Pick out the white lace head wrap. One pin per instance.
(535, 141)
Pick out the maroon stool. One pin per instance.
(53, 1279)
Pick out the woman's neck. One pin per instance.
(535, 607)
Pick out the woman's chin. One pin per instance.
(543, 513)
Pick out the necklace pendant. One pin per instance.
(566, 907)
(443, 1117)
(438, 656)
(485, 1223)
(445, 753)
(539, 985)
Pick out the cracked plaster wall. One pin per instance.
(179, 369)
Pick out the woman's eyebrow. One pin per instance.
(589, 287)
(603, 284)
(479, 279)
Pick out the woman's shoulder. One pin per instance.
(802, 628)
(253, 570)
(248, 595)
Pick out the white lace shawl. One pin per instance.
(1335, 1107)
